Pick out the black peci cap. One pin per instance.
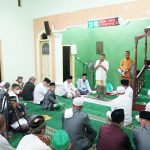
(145, 115)
(52, 84)
(125, 82)
(117, 116)
(47, 80)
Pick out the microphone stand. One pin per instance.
(83, 63)
(5, 111)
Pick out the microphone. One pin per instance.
(78, 58)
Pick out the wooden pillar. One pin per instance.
(145, 59)
(135, 69)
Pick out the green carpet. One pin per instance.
(102, 97)
(96, 115)
(142, 98)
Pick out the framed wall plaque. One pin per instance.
(99, 47)
(45, 49)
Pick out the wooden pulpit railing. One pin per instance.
(138, 81)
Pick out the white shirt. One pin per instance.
(67, 88)
(32, 142)
(4, 145)
(129, 92)
(83, 85)
(101, 74)
(147, 108)
(123, 102)
(39, 93)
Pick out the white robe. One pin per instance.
(129, 92)
(32, 142)
(147, 108)
(123, 102)
(67, 88)
(39, 93)
(4, 145)
(101, 74)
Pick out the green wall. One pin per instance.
(115, 39)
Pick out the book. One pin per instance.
(119, 70)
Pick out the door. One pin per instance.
(66, 62)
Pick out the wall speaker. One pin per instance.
(47, 28)
(44, 36)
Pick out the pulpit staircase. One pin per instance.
(141, 81)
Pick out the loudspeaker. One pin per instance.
(44, 36)
(47, 28)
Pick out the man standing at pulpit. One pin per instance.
(125, 66)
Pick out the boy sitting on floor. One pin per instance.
(50, 101)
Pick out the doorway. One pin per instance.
(66, 61)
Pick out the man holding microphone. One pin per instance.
(101, 67)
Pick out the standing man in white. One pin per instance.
(101, 67)
(40, 90)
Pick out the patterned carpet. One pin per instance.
(96, 114)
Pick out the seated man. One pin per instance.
(40, 90)
(147, 108)
(15, 91)
(111, 136)
(50, 101)
(83, 85)
(19, 81)
(37, 140)
(4, 87)
(122, 102)
(77, 124)
(28, 89)
(128, 89)
(68, 89)
(4, 145)
(141, 135)
(18, 119)
(59, 143)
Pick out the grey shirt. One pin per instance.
(49, 100)
(79, 129)
(4, 145)
(142, 138)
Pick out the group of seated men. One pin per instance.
(43, 93)
(77, 132)
(76, 123)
